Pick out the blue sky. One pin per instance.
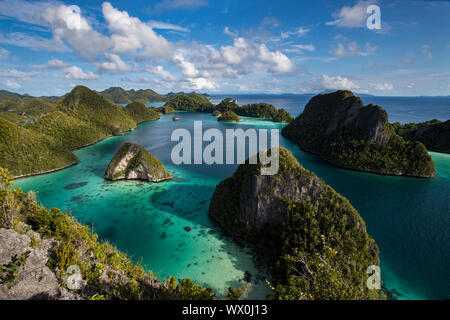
(47, 47)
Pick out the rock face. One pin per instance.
(25, 274)
(134, 162)
(338, 127)
(294, 213)
(436, 137)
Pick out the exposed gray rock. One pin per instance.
(33, 279)
(134, 162)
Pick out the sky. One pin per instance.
(227, 46)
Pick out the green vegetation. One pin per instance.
(434, 134)
(313, 241)
(83, 117)
(84, 104)
(282, 116)
(119, 95)
(166, 109)
(140, 113)
(109, 274)
(217, 113)
(68, 132)
(17, 108)
(189, 102)
(341, 130)
(24, 151)
(229, 116)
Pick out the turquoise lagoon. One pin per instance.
(409, 218)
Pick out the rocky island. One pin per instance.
(134, 162)
(340, 129)
(313, 241)
(434, 134)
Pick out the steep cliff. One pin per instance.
(134, 162)
(338, 127)
(312, 239)
(434, 134)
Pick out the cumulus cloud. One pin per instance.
(161, 72)
(131, 35)
(114, 65)
(76, 73)
(56, 64)
(351, 17)
(69, 25)
(334, 83)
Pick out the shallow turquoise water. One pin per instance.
(409, 218)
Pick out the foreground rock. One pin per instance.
(312, 239)
(134, 162)
(339, 128)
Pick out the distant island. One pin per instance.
(340, 129)
(434, 134)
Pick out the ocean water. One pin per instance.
(408, 218)
(401, 109)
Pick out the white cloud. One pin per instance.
(187, 68)
(352, 49)
(351, 17)
(179, 5)
(298, 48)
(56, 64)
(298, 32)
(334, 83)
(33, 42)
(384, 86)
(161, 72)
(203, 84)
(166, 26)
(114, 65)
(76, 73)
(12, 84)
(131, 35)
(68, 25)
(230, 33)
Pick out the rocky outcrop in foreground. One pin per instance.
(340, 129)
(134, 162)
(313, 241)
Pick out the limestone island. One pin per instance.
(134, 162)
(434, 134)
(313, 241)
(340, 129)
(229, 116)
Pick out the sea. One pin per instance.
(409, 218)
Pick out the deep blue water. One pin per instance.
(408, 218)
(401, 109)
